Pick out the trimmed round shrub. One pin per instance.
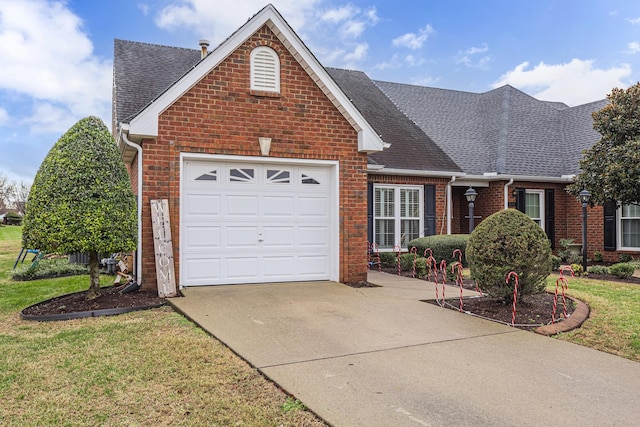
(442, 246)
(81, 199)
(509, 241)
(621, 270)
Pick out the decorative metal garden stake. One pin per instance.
(414, 251)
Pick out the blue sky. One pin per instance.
(56, 57)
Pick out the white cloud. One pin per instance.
(576, 82)
(339, 14)
(50, 118)
(47, 56)
(144, 8)
(472, 57)
(413, 41)
(209, 20)
(634, 21)
(633, 47)
(4, 116)
(413, 60)
(358, 54)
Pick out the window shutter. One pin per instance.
(370, 212)
(549, 216)
(429, 210)
(610, 226)
(521, 200)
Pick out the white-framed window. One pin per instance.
(629, 227)
(265, 69)
(397, 215)
(534, 206)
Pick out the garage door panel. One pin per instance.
(203, 205)
(245, 206)
(202, 237)
(311, 265)
(316, 207)
(202, 270)
(280, 268)
(241, 268)
(278, 237)
(313, 236)
(279, 206)
(242, 237)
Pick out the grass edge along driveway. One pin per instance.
(144, 368)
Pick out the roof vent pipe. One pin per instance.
(204, 44)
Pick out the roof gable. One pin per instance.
(145, 123)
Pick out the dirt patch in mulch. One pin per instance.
(110, 298)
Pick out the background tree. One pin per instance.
(611, 168)
(6, 187)
(81, 199)
(19, 195)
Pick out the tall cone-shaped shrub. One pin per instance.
(81, 199)
(508, 241)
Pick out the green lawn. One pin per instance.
(614, 323)
(138, 369)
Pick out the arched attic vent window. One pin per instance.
(265, 69)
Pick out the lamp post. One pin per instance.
(584, 196)
(470, 194)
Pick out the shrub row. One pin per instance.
(48, 268)
(442, 246)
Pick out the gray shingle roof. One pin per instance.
(142, 71)
(502, 131)
(410, 147)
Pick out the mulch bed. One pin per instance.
(110, 298)
(532, 311)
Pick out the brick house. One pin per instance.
(278, 169)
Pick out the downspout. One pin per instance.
(449, 204)
(506, 193)
(138, 148)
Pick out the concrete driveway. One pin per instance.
(381, 357)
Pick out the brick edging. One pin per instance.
(575, 320)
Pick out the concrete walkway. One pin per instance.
(381, 357)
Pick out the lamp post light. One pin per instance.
(584, 196)
(470, 194)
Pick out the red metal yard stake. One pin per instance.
(515, 295)
(459, 278)
(566, 267)
(564, 287)
(443, 270)
(376, 255)
(432, 269)
(398, 256)
(414, 251)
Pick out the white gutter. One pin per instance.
(410, 172)
(138, 148)
(525, 178)
(449, 204)
(506, 193)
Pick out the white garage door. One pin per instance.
(255, 222)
